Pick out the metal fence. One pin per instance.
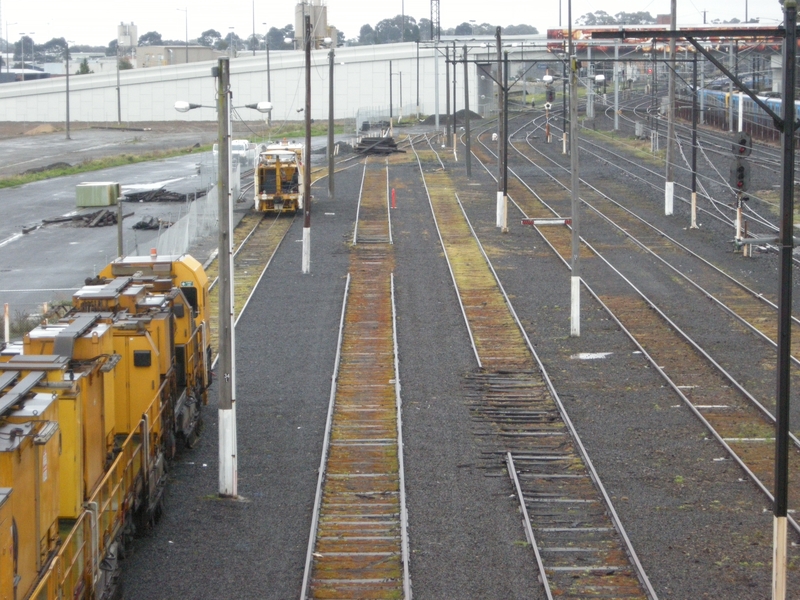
(196, 219)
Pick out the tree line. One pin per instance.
(396, 29)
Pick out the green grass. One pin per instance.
(298, 130)
(97, 165)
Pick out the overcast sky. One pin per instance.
(94, 22)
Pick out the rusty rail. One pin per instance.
(742, 426)
(516, 410)
(358, 545)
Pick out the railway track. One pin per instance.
(579, 543)
(255, 240)
(358, 545)
(754, 309)
(713, 187)
(730, 413)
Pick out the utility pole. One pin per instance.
(228, 469)
(391, 100)
(435, 83)
(500, 197)
(693, 223)
(730, 87)
(786, 244)
(616, 85)
(307, 166)
(564, 134)
(417, 80)
(669, 186)
(330, 124)
(119, 95)
(66, 57)
(447, 92)
(575, 280)
(466, 114)
(269, 76)
(455, 129)
(504, 226)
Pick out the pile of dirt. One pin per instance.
(473, 116)
(43, 128)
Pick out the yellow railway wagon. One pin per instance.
(91, 409)
(278, 178)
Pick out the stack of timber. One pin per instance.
(162, 195)
(99, 218)
(381, 145)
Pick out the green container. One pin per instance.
(100, 193)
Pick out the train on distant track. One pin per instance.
(92, 408)
(278, 178)
(717, 104)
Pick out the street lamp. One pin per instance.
(66, 58)
(7, 64)
(269, 78)
(227, 342)
(22, 50)
(186, 20)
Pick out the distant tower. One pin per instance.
(318, 12)
(435, 21)
(127, 35)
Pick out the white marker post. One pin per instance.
(228, 467)
(306, 267)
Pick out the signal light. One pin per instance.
(740, 175)
(742, 144)
(550, 94)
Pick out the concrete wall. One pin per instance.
(361, 80)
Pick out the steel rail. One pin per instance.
(715, 203)
(617, 523)
(401, 464)
(526, 521)
(449, 265)
(754, 294)
(666, 377)
(261, 276)
(640, 572)
(388, 202)
(312, 537)
(765, 412)
(358, 207)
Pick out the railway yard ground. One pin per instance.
(696, 521)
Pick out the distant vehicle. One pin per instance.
(278, 178)
(241, 152)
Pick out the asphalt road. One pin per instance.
(50, 262)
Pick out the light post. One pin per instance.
(306, 260)
(22, 50)
(403, 17)
(227, 341)
(7, 64)
(786, 245)
(417, 80)
(119, 92)
(186, 23)
(575, 279)
(331, 56)
(66, 58)
(269, 78)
